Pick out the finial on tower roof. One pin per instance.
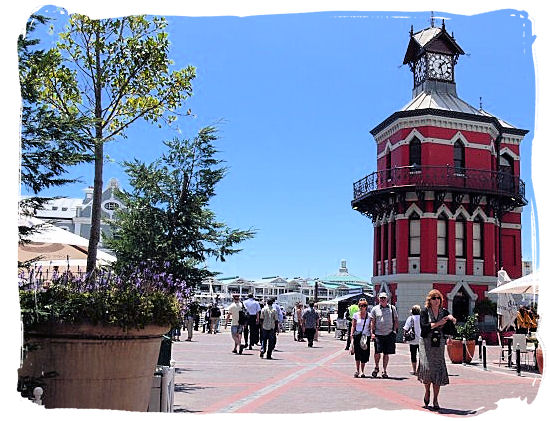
(480, 104)
(411, 33)
(432, 20)
(443, 24)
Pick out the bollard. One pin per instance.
(484, 355)
(536, 364)
(518, 360)
(480, 340)
(464, 351)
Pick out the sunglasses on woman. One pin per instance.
(363, 305)
(435, 298)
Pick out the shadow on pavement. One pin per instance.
(187, 387)
(185, 410)
(450, 411)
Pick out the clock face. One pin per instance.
(420, 70)
(440, 66)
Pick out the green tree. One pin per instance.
(50, 142)
(122, 70)
(166, 217)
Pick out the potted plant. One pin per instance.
(93, 341)
(468, 331)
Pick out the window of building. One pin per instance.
(415, 153)
(393, 240)
(385, 244)
(388, 165)
(459, 157)
(442, 229)
(414, 234)
(478, 238)
(379, 242)
(111, 205)
(460, 236)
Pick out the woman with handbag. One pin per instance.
(435, 322)
(411, 334)
(360, 332)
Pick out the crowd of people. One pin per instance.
(257, 324)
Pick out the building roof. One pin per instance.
(440, 101)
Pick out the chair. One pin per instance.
(506, 350)
(520, 340)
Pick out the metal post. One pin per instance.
(536, 364)
(484, 359)
(479, 341)
(464, 351)
(509, 353)
(518, 360)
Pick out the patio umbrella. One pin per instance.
(506, 305)
(528, 284)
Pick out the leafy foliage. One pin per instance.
(166, 217)
(486, 307)
(50, 141)
(142, 297)
(469, 329)
(122, 73)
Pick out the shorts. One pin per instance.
(235, 330)
(385, 344)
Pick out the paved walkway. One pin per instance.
(211, 379)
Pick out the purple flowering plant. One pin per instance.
(141, 295)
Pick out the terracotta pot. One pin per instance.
(454, 350)
(538, 356)
(101, 367)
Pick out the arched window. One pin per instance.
(414, 234)
(415, 153)
(478, 238)
(388, 165)
(507, 172)
(459, 157)
(442, 229)
(460, 236)
(393, 240)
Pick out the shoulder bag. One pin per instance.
(409, 334)
(364, 341)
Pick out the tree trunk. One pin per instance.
(95, 229)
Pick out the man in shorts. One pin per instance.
(236, 329)
(384, 325)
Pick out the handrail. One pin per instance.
(470, 179)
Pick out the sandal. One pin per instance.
(363, 376)
(356, 374)
(384, 375)
(375, 372)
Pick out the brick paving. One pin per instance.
(211, 379)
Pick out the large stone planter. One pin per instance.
(454, 350)
(91, 366)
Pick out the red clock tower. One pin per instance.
(446, 198)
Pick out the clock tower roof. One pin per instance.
(434, 40)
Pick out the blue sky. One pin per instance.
(294, 97)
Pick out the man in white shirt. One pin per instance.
(236, 328)
(252, 326)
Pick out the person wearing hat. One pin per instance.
(236, 328)
(384, 325)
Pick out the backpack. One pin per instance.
(243, 315)
(215, 312)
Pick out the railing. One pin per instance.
(445, 177)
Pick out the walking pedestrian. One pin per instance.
(215, 314)
(298, 323)
(360, 326)
(311, 322)
(251, 329)
(384, 325)
(269, 319)
(234, 311)
(351, 310)
(412, 328)
(435, 322)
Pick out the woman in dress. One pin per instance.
(432, 369)
(360, 325)
(413, 324)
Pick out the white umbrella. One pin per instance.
(506, 305)
(528, 284)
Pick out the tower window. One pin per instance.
(111, 205)
(414, 234)
(415, 153)
(459, 157)
(393, 240)
(388, 165)
(442, 236)
(478, 238)
(460, 236)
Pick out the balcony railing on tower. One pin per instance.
(442, 178)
